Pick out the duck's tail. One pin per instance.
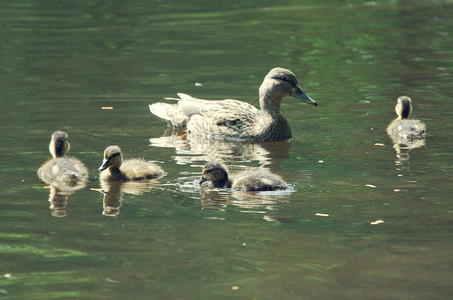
(170, 113)
(160, 109)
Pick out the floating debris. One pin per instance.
(379, 144)
(321, 215)
(107, 107)
(198, 84)
(370, 185)
(377, 222)
(235, 287)
(320, 161)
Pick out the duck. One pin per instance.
(403, 129)
(233, 119)
(113, 167)
(259, 180)
(61, 171)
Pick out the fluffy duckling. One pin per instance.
(62, 171)
(236, 120)
(261, 180)
(114, 169)
(403, 128)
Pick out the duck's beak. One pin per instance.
(202, 180)
(300, 94)
(105, 164)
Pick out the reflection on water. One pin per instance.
(60, 190)
(402, 149)
(58, 200)
(191, 148)
(113, 193)
(247, 202)
(62, 63)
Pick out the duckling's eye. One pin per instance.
(284, 79)
(113, 156)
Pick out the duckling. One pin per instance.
(236, 120)
(262, 180)
(114, 169)
(403, 129)
(66, 173)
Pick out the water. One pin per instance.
(63, 61)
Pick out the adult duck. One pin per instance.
(236, 120)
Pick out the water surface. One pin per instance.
(63, 62)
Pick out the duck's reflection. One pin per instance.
(59, 196)
(113, 193)
(246, 202)
(191, 148)
(402, 149)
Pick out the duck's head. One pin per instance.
(59, 144)
(280, 83)
(215, 171)
(112, 158)
(403, 108)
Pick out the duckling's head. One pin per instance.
(215, 171)
(112, 158)
(279, 83)
(59, 144)
(403, 108)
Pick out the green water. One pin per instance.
(62, 61)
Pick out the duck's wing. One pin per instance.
(177, 115)
(225, 118)
(205, 115)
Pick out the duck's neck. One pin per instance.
(272, 125)
(223, 183)
(270, 103)
(115, 171)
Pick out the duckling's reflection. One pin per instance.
(402, 149)
(193, 148)
(58, 200)
(214, 200)
(59, 196)
(246, 202)
(113, 193)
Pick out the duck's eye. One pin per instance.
(284, 79)
(113, 156)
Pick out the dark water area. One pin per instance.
(61, 62)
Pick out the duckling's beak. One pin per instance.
(202, 180)
(300, 94)
(105, 164)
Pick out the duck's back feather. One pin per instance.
(407, 129)
(137, 169)
(64, 172)
(258, 181)
(208, 117)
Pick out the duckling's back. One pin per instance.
(64, 172)
(258, 181)
(406, 129)
(137, 169)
